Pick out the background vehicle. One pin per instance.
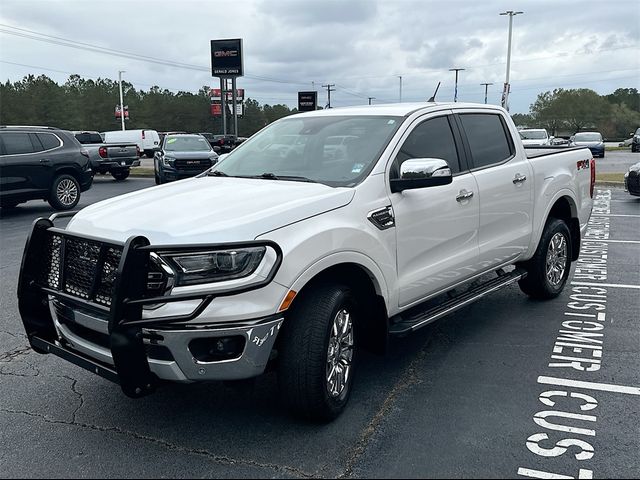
(42, 163)
(635, 142)
(632, 180)
(534, 136)
(305, 259)
(559, 141)
(592, 140)
(210, 138)
(225, 143)
(183, 156)
(148, 141)
(114, 158)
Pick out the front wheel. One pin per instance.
(548, 269)
(65, 193)
(316, 353)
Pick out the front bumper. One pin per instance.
(102, 328)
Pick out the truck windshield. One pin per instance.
(307, 148)
(186, 144)
(87, 138)
(533, 134)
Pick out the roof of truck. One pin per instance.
(397, 109)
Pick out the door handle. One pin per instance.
(519, 178)
(45, 160)
(464, 195)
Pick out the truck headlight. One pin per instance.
(201, 267)
(168, 161)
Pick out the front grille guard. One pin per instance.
(124, 311)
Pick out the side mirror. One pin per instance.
(421, 173)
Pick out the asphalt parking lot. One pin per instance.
(506, 387)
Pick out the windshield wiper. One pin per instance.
(273, 176)
(217, 173)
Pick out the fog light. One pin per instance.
(216, 349)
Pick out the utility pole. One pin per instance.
(486, 87)
(400, 77)
(507, 87)
(120, 72)
(371, 98)
(455, 93)
(329, 90)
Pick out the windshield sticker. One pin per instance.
(171, 140)
(391, 122)
(357, 168)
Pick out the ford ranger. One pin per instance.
(296, 258)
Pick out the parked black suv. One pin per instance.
(42, 163)
(183, 156)
(635, 142)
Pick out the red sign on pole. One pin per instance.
(126, 112)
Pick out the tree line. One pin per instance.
(565, 112)
(85, 104)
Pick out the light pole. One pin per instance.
(486, 87)
(507, 87)
(400, 77)
(455, 94)
(371, 98)
(120, 72)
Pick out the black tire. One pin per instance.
(303, 353)
(158, 178)
(149, 153)
(537, 283)
(64, 193)
(120, 174)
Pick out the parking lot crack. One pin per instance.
(74, 382)
(408, 378)
(13, 354)
(211, 456)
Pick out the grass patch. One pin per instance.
(609, 177)
(613, 149)
(142, 171)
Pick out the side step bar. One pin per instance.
(406, 323)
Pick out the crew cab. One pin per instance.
(299, 260)
(114, 158)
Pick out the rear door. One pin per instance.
(437, 230)
(505, 185)
(24, 167)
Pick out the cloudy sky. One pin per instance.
(361, 46)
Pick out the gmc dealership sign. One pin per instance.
(226, 58)
(307, 101)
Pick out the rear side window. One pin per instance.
(48, 140)
(433, 138)
(16, 143)
(488, 140)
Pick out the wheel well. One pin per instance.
(564, 209)
(373, 321)
(67, 171)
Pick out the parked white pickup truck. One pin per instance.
(299, 258)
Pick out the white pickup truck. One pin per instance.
(297, 259)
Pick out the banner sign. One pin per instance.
(226, 58)
(126, 112)
(307, 101)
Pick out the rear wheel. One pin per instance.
(548, 270)
(149, 153)
(158, 178)
(316, 354)
(65, 193)
(120, 174)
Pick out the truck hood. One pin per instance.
(208, 210)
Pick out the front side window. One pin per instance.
(488, 140)
(338, 151)
(16, 143)
(431, 139)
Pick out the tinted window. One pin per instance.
(87, 138)
(16, 143)
(488, 140)
(48, 140)
(430, 139)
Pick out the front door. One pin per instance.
(436, 228)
